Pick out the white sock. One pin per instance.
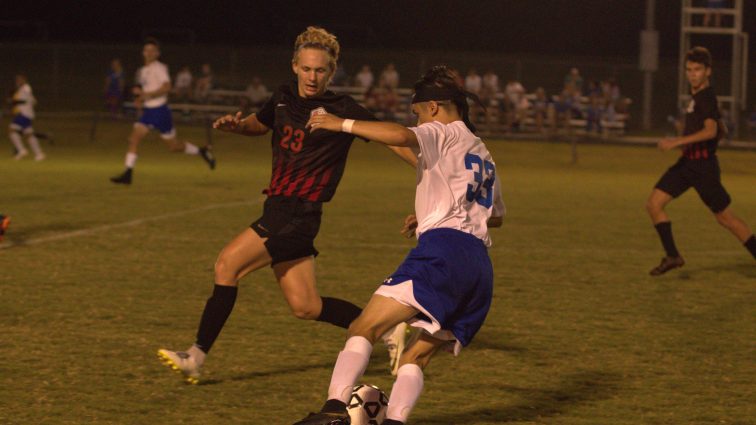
(190, 149)
(131, 160)
(16, 139)
(197, 354)
(350, 365)
(406, 391)
(34, 144)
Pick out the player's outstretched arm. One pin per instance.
(383, 132)
(406, 154)
(249, 126)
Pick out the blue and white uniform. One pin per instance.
(156, 114)
(448, 277)
(23, 110)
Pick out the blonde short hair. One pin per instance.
(318, 38)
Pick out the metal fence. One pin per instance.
(71, 76)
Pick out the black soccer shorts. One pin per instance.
(701, 174)
(291, 225)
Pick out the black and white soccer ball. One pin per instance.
(368, 405)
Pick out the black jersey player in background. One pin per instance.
(698, 167)
(307, 168)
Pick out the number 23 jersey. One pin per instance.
(308, 165)
(457, 184)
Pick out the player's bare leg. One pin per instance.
(246, 253)
(409, 378)
(297, 281)
(737, 227)
(380, 315)
(138, 133)
(655, 207)
(183, 146)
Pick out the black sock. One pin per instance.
(338, 312)
(217, 310)
(392, 422)
(750, 245)
(665, 233)
(333, 406)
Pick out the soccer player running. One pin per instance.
(22, 105)
(445, 285)
(151, 96)
(4, 223)
(307, 169)
(698, 167)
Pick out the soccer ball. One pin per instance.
(367, 406)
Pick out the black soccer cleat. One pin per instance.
(667, 264)
(207, 154)
(326, 419)
(124, 178)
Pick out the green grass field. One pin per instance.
(95, 278)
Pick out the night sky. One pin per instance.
(552, 27)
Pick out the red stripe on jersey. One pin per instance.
(323, 182)
(285, 180)
(308, 184)
(276, 174)
(706, 154)
(293, 186)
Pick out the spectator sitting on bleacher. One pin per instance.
(389, 77)
(565, 105)
(389, 103)
(183, 87)
(340, 77)
(254, 96)
(594, 113)
(474, 84)
(574, 81)
(364, 78)
(373, 99)
(204, 83)
(542, 109)
(489, 95)
(517, 104)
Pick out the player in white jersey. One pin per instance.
(151, 96)
(21, 126)
(445, 285)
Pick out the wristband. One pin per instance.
(346, 126)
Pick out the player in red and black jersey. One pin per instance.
(307, 167)
(698, 167)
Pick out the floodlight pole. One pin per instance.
(649, 61)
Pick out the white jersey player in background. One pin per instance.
(445, 285)
(151, 96)
(22, 104)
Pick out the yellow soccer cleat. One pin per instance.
(181, 362)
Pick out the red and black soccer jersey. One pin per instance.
(703, 105)
(307, 165)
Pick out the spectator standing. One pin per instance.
(204, 82)
(114, 84)
(364, 79)
(183, 87)
(389, 77)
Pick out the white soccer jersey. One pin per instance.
(151, 77)
(26, 100)
(457, 185)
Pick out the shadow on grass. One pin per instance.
(484, 343)
(537, 403)
(266, 373)
(747, 269)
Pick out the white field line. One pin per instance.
(132, 223)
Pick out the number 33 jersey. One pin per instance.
(457, 183)
(307, 165)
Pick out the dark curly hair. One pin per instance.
(444, 77)
(700, 55)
